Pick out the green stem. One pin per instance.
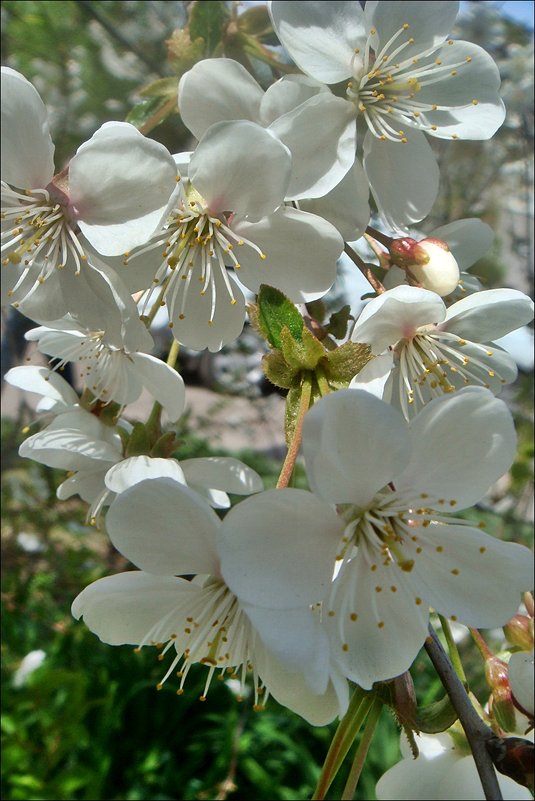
(362, 750)
(453, 650)
(153, 423)
(343, 739)
(295, 442)
(156, 305)
(321, 380)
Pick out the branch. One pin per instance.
(478, 734)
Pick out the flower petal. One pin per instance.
(240, 167)
(122, 609)
(320, 37)
(27, 148)
(301, 252)
(520, 674)
(468, 575)
(217, 89)
(210, 320)
(58, 395)
(164, 528)
(222, 473)
(290, 690)
(397, 314)
(346, 206)
(163, 383)
(372, 602)
(489, 315)
(278, 548)
(403, 176)
(427, 25)
(467, 239)
(119, 185)
(374, 377)
(461, 444)
(353, 444)
(321, 155)
(139, 468)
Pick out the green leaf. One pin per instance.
(275, 312)
(163, 87)
(304, 354)
(255, 21)
(343, 363)
(183, 53)
(206, 21)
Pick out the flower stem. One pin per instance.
(453, 650)
(153, 423)
(362, 750)
(343, 739)
(321, 379)
(295, 442)
(477, 733)
(380, 237)
(365, 270)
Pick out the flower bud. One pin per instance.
(521, 680)
(503, 710)
(519, 632)
(430, 262)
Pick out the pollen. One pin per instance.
(454, 572)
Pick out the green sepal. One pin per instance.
(338, 322)
(435, 717)
(109, 414)
(303, 354)
(138, 443)
(151, 112)
(277, 370)
(164, 446)
(343, 363)
(273, 312)
(255, 22)
(163, 87)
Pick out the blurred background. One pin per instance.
(82, 720)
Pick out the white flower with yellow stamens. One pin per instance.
(228, 212)
(395, 486)
(248, 608)
(110, 198)
(424, 349)
(405, 78)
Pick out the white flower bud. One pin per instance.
(440, 273)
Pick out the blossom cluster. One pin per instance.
(299, 591)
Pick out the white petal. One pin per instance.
(461, 444)
(486, 316)
(286, 94)
(211, 320)
(521, 679)
(320, 37)
(223, 473)
(27, 149)
(468, 575)
(429, 24)
(346, 206)
(372, 603)
(240, 167)
(278, 548)
(88, 484)
(463, 782)
(467, 239)
(397, 314)
(217, 89)
(139, 468)
(67, 448)
(119, 185)
(122, 609)
(58, 395)
(374, 377)
(164, 528)
(321, 155)
(163, 383)
(403, 176)
(474, 77)
(301, 252)
(290, 690)
(417, 779)
(353, 444)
